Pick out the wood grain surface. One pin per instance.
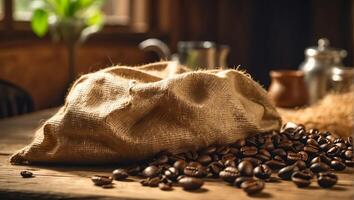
(72, 182)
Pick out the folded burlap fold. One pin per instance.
(124, 114)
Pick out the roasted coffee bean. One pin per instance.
(191, 183)
(253, 160)
(192, 155)
(333, 151)
(161, 159)
(180, 165)
(252, 186)
(349, 141)
(326, 179)
(205, 159)
(310, 149)
(293, 157)
(238, 181)
(312, 142)
(279, 152)
(286, 172)
(246, 168)
(209, 150)
(144, 182)
(300, 164)
(154, 182)
(215, 168)
(230, 163)
(151, 171)
(262, 172)
(229, 174)
(348, 154)
(337, 165)
(222, 150)
(26, 174)
(195, 169)
(319, 167)
(301, 179)
(275, 164)
(248, 151)
(120, 174)
(171, 173)
(165, 186)
(134, 170)
(349, 163)
(101, 180)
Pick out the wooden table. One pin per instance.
(72, 182)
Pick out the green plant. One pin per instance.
(86, 13)
(70, 21)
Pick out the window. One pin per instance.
(1, 9)
(22, 11)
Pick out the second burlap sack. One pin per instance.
(124, 114)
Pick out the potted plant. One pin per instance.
(70, 21)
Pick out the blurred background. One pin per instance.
(263, 35)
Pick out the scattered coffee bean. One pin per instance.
(262, 172)
(326, 179)
(301, 179)
(120, 174)
(286, 172)
(191, 183)
(195, 169)
(101, 180)
(319, 167)
(151, 171)
(337, 165)
(252, 186)
(26, 174)
(229, 174)
(246, 168)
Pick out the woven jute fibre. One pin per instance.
(124, 114)
(334, 113)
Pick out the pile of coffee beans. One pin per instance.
(292, 154)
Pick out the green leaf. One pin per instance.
(39, 22)
(96, 18)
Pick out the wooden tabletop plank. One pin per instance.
(73, 182)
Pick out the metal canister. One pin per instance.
(318, 67)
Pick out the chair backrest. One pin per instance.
(14, 100)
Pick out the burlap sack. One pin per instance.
(122, 114)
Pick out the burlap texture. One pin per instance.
(124, 114)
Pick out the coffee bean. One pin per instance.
(245, 168)
(300, 164)
(275, 164)
(215, 168)
(348, 154)
(154, 182)
(337, 165)
(230, 163)
(26, 174)
(229, 174)
(171, 173)
(262, 172)
(151, 171)
(248, 151)
(301, 179)
(160, 159)
(165, 186)
(311, 149)
(279, 152)
(319, 167)
(101, 180)
(120, 174)
(180, 165)
(349, 163)
(253, 160)
(286, 172)
(238, 181)
(195, 169)
(205, 159)
(191, 183)
(333, 151)
(134, 170)
(326, 179)
(349, 141)
(252, 186)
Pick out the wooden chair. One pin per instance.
(14, 100)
